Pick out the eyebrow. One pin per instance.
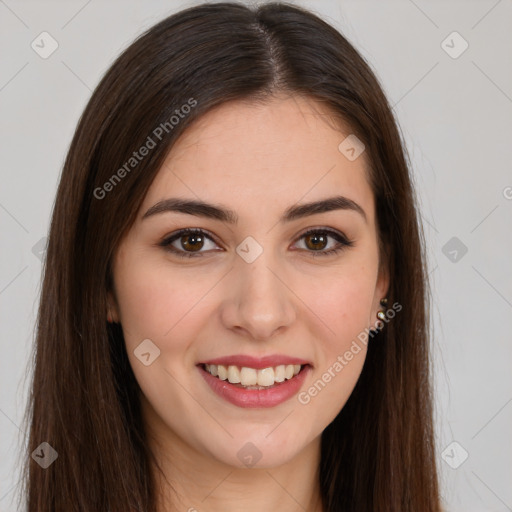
(216, 212)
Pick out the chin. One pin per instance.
(257, 449)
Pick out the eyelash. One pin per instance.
(166, 243)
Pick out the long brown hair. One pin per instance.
(378, 454)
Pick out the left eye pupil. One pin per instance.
(316, 238)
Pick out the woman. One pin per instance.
(234, 312)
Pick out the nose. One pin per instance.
(261, 301)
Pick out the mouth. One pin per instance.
(256, 383)
(253, 378)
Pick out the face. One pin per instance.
(276, 292)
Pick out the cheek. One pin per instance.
(341, 302)
(146, 304)
(158, 305)
(152, 300)
(346, 307)
(167, 307)
(342, 307)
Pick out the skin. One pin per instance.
(258, 160)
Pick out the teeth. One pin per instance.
(266, 377)
(222, 371)
(248, 376)
(251, 377)
(233, 374)
(279, 373)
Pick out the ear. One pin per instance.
(112, 308)
(381, 287)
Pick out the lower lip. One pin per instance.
(256, 398)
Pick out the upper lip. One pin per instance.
(256, 362)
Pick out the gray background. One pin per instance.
(455, 117)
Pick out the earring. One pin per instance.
(381, 315)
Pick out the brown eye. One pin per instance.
(192, 242)
(316, 241)
(187, 242)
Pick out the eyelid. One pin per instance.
(323, 229)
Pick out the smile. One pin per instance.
(252, 378)
(251, 382)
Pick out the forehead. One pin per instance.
(274, 154)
